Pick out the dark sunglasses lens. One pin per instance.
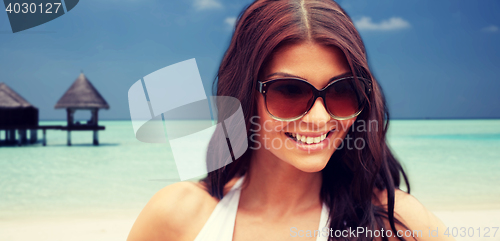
(343, 98)
(288, 98)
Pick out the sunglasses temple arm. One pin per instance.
(260, 86)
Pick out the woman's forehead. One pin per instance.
(310, 61)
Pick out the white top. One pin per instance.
(220, 224)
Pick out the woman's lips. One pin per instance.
(310, 141)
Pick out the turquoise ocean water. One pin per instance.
(452, 165)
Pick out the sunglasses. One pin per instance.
(289, 99)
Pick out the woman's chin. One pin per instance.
(310, 164)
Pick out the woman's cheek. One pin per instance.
(271, 127)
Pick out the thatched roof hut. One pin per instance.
(82, 95)
(15, 110)
(10, 99)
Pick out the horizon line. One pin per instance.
(402, 118)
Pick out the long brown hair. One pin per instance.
(351, 176)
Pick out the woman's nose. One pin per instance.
(317, 114)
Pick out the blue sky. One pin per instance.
(434, 59)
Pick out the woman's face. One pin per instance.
(317, 64)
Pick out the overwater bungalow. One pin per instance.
(82, 95)
(17, 114)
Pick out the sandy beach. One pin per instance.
(117, 228)
(67, 228)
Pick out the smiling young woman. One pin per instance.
(317, 64)
(318, 158)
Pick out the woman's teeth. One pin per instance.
(307, 139)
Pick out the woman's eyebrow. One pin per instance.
(283, 74)
(341, 76)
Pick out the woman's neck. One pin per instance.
(276, 185)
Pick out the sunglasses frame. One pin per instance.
(262, 87)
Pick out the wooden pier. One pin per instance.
(22, 131)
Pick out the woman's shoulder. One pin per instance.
(412, 214)
(181, 202)
(177, 211)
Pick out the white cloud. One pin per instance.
(394, 23)
(206, 4)
(230, 22)
(490, 29)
